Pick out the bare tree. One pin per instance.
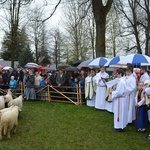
(132, 14)
(35, 28)
(145, 23)
(13, 8)
(77, 28)
(113, 33)
(56, 46)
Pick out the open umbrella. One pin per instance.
(114, 61)
(72, 69)
(84, 64)
(62, 66)
(100, 61)
(1, 67)
(136, 60)
(31, 65)
(7, 68)
(77, 62)
(45, 68)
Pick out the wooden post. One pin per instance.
(22, 91)
(48, 93)
(77, 92)
(80, 94)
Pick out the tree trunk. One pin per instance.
(100, 38)
(100, 13)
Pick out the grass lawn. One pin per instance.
(60, 126)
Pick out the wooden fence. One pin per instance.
(49, 93)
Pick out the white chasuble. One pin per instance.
(90, 87)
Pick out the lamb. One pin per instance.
(8, 97)
(2, 102)
(6, 109)
(17, 102)
(9, 121)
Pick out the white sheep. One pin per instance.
(2, 102)
(17, 102)
(9, 121)
(8, 97)
(6, 109)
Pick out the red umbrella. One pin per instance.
(1, 67)
(44, 68)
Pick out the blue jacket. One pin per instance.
(12, 84)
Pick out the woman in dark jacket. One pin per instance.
(30, 89)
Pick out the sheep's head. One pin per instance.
(21, 97)
(9, 92)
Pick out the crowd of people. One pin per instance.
(35, 79)
(125, 94)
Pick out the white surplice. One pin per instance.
(144, 77)
(130, 96)
(90, 87)
(100, 101)
(120, 105)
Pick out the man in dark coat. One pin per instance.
(53, 78)
(19, 75)
(61, 79)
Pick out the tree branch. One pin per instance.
(133, 47)
(85, 2)
(108, 6)
(52, 12)
(3, 2)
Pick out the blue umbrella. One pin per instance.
(135, 59)
(101, 61)
(114, 61)
(31, 65)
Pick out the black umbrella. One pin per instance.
(84, 64)
(73, 69)
(77, 63)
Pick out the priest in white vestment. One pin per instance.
(90, 89)
(100, 101)
(120, 103)
(130, 93)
